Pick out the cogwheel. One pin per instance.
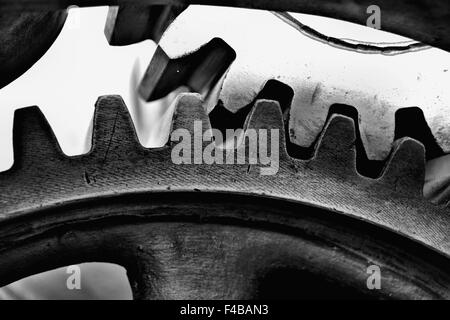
(219, 231)
(344, 195)
(318, 81)
(403, 17)
(35, 31)
(80, 52)
(311, 80)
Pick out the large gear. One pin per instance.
(49, 189)
(80, 51)
(225, 231)
(335, 76)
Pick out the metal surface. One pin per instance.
(320, 75)
(80, 64)
(422, 20)
(34, 31)
(212, 231)
(131, 24)
(53, 206)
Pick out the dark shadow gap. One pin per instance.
(289, 283)
(410, 122)
(222, 119)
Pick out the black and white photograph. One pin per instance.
(225, 155)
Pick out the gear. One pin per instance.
(226, 231)
(51, 191)
(402, 17)
(81, 51)
(35, 31)
(319, 81)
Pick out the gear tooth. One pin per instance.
(113, 131)
(267, 114)
(150, 87)
(130, 24)
(336, 147)
(190, 122)
(33, 138)
(405, 169)
(199, 70)
(189, 109)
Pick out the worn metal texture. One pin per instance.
(45, 190)
(214, 231)
(80, 61)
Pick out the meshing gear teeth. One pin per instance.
(334, 76)
(42, 176)
(50, 188)
(199, 70)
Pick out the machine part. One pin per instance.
(131, 24)
(320, 76)
(218, 231)
(24, 38)
(37, 30)
(199, 231)
(80, 64)
(423, 20)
